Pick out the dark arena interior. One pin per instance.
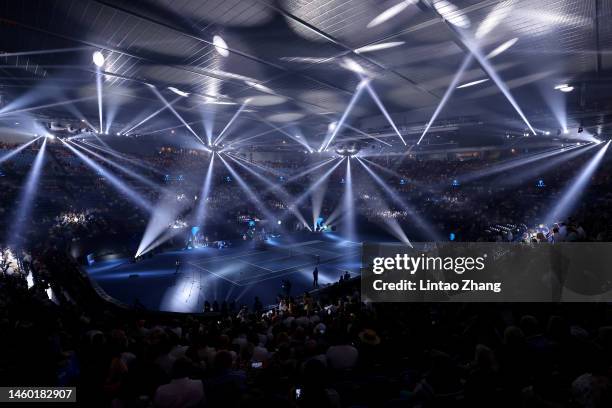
(190, 190)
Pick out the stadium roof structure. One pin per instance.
(288, 69)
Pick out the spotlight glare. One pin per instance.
(502, 48)
(567, 89)
(564, 205)
(384, 111)
(390, 13)
(112, 179)
(379, 46)
(480, 81)
(27, 197)
(451, 13)
(179, 117)
(351, 65)
(339, 124)
(98, 59)
(178, 91)
(449, 91)
(220, 46)
(259, 87)
(499, 13)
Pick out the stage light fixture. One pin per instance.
(469, 84)
(452, 14)
(220, 46)
(379, 46)
(351, 65)
(390, 13)
(178, 92)
(502, 48)
(98, 59)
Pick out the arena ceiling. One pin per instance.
(298, 63)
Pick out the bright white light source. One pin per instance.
(558, 87)
(259, 87)
(332, 126)
(213, 102)
(98, 59)
(502, 48)
(480, 81)
(279, 222)
(178, 91)
(220, 46)
(567, 89)
(352, 66)
(494, 18)
(379, 46)
(451, 13)
(390, 13)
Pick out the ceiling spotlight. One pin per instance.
(451, 13)
(502, 48)
(547, 133)
(567, 89)
(178, 91)
(480, 81)
(565, 132)
(390, 13)
(98, 59)
(220, 46)
(561, 86)
(379, 46)
(259, 87)
(118, 133)
(353, 66)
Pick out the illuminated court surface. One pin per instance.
(233, 274)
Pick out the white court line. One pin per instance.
(262, 277)
(216, 274)
(294, 267)
(257, 266)
(229, 257)
(207, 260)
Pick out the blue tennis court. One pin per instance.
(232, 274)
